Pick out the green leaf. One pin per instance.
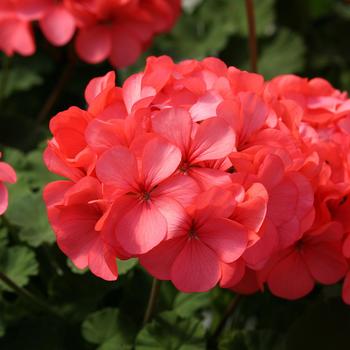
(20, 79)
(285, 54)
(106, 328)
(116, 342)
(171, 333)
(206, 31)
(19, 264)
(186, 304)
(29, 213)
(324, 326)
(100, 326)
(124, 266)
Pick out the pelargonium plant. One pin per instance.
(207, 174)
(115, 30)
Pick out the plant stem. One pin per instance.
(152, 300)
(253, 47)
(28, 295)
(58, 89)
(228, 312)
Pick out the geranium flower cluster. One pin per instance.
(209, 175)
(116, 30)
(7, 174)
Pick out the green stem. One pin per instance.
(153, 297)
(227, 314)
(27, 295)
(55, 94)
(253, 46)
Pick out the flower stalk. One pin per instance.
(152, 301)
(27, 295)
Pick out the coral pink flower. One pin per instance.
(76, 213)
(67, 153)
(319, 100)
(57, 23)
(149, 197)
(120, 30)
(204, 238)
(204, 172)
(246, 114)
(211, 140)
(315, 258)
(7, 174)
(290, 209)
(15, 29)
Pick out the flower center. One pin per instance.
(184, 167)
(192, 232)
(145, 196)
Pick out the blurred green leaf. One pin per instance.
(206, 31)
(29, 213)
(106, 329)
(124, 266)
(186, 304)
(171, 333)
(100, 326)
(19, 264)
(285, 54)
(19, 79)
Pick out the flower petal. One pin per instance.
(196, 269)
(160, 160)
(182, 188)
(117, 168)
(325, 262)
(228, 239)
(290, 278)
(232, 273)
(214, 139)
(141, 228)
(7, 173)
(3, 198)
(58, 25)
(93, 44)
(174, 124)
(102, 261)
(158, 261)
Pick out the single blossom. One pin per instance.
(191, 257)
(147, 196)
(76, 212)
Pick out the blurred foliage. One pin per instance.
(307, 37)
